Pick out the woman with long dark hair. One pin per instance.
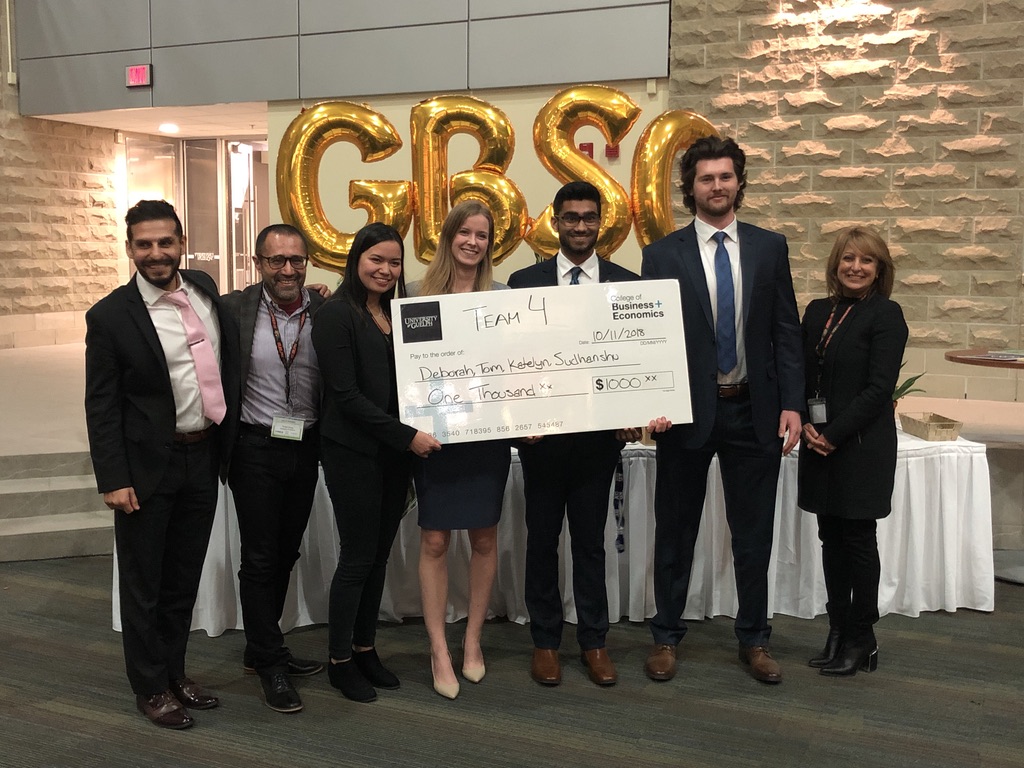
(365, 450)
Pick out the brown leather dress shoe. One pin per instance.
(192, 695)
(164, 711)
(762, 666)
(545, 668)
(599, 667)
(661, 662)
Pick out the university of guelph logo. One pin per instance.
(421, 322)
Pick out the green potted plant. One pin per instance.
(905, 387)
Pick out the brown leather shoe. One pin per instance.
(192, 695)
(762, 666)
(164, 711)
(545, 667)
(661, 662)
(599, 667)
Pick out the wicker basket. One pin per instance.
(930, 426)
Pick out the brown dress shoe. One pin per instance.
(192, 695)
(164, 711)
(599, 667)
(661, 662)
(545, 667)
(762, 666)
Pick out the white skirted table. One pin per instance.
(936, 550)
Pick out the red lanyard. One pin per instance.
(826, 337)
(286, 361)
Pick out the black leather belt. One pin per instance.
(258, 429)
(729, 391)
(188, 438)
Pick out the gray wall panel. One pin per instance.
(184, 22)
(488, 9)
(431, 58)
(334, 16)
(69, 27)
(80, 84)
(613, 44)
(217, 73)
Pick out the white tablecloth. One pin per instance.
(936, 550)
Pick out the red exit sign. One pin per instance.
(138, 75)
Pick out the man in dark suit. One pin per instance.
(743, 349)
(275, 462)
(160, 366)
(570, 475)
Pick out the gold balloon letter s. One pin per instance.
(613, 113)
(298, 176)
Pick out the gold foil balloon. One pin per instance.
(298, 176)
(433, 123)
(668, 134)
(613, 113)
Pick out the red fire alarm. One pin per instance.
(611, 151)
(587, 148)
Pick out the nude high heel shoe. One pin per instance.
(475, 673)
(448, 690)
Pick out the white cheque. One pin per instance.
(536, 361)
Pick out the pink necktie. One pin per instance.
(207, 370)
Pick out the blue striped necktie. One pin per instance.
(725, 325)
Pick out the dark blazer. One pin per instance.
(771, 330)
(357, 369)
(129, 403)
(244, 307)
(861, 366)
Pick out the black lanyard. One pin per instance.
(826, 337)
(286, 361)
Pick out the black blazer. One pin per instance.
(544, 274)
(129, 403)
(771, 329)
(861, 366)
(356, 366)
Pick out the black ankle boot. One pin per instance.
(379, 676)
(346, 677)
(829, 652)
(853, 656)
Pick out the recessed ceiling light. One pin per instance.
(168, 128)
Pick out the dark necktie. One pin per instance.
(574, 275)
(725, 326)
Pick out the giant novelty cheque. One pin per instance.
(537, 361)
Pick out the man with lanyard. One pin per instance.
(275, 459)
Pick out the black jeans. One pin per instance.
(849, 557)
(273, 482)
(368, 494)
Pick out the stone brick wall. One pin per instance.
(907, 116)
(60, 239)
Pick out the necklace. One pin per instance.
(381, 320)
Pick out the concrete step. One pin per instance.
(58, 535)
(44, 465)
(45, 496)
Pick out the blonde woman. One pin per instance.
(462, 485)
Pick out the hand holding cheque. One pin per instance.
(538, 361)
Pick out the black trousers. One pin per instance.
(273, 482)
(849, 557)
(160, 552)
(750, 475)
(368, 494)
(568, 476)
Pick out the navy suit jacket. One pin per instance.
(129, 403)
(771, 328)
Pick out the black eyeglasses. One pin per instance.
(572, 219)
(278, 262)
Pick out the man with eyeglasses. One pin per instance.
(274, 464)
(570, 476)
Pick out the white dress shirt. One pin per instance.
(589, 267)
(708, 246)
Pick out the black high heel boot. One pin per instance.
(829, 652)
(862, 656)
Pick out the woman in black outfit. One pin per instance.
(853, 347)
(365, 450)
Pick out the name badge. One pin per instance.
(817, 410)
(287, 428)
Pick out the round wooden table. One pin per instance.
(985, 357)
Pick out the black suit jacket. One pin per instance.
(357, 370)
(545, 274)
(771, 329)
(861, 366)
(129, 403)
